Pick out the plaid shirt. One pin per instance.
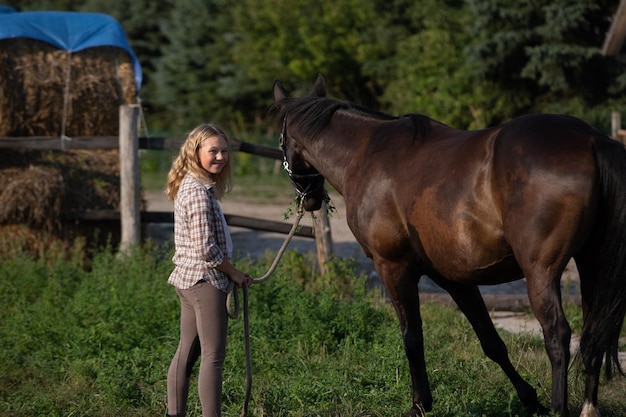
(201, 236)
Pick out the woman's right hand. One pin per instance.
(241, 279)
(238, 277)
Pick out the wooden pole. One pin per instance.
(615, 36)
(130, 184)
(616, 124)
(323, 237)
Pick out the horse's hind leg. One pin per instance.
(544, 293)
(587, 271)
(471, 303)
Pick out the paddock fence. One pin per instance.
(129, 215)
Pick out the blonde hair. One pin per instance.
(188, 162)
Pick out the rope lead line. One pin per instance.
(233, 295)
(233, 314)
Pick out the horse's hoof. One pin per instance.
(589, 410)
(540, 410)
(417, 410)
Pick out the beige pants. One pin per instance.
(203, 329)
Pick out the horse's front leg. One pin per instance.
(401, 281)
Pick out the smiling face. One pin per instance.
(213, 154)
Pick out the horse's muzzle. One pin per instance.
(312, 203)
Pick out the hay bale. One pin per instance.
(32, 196)
(39, 189)
(34, 82)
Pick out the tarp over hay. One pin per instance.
(61, 75)
(70, 31)
(64, 74)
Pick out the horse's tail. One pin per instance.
(605, 316)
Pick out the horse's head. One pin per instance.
(306, 180)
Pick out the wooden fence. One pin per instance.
(616, 127)
(130, 217)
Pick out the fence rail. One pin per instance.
(128, 142)
(113, 142)
(168, 217)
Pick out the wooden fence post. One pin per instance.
(323, 237)
(616, 124)
(130, 184)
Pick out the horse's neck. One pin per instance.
(337, 156)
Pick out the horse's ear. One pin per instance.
(319, 89)
(279, 92)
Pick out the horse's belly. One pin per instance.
(477, 271)
(467, 246)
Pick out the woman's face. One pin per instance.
(213, 154)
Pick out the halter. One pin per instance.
(301, 193)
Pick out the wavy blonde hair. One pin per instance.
(188, 162)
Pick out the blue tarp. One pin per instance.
(70, 31)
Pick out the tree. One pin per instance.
(430, 74)
(193, 59)
(295, 40)
(468, 63)
(140, 20)
(42, 5)
(546, 54)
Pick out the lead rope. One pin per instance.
(233, 314)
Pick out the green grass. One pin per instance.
(97, 341)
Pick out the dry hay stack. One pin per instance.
(41, 192)
(34, 82)
(39, 189)
(31, 196)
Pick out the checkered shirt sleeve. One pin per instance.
(199, 237)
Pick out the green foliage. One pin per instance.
(431, 76)
(98, 341)
(192, 61)
(469, 64)
(294, 41)
(84, 335)
(545, 56)
(140, 19)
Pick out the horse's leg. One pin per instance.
(544, 293)
(401, 281)
(542, 234)
(471, 303)
(587, 270)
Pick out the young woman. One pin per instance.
(199, 177)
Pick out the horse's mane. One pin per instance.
(314, 113)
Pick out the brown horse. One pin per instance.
(475, 207)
